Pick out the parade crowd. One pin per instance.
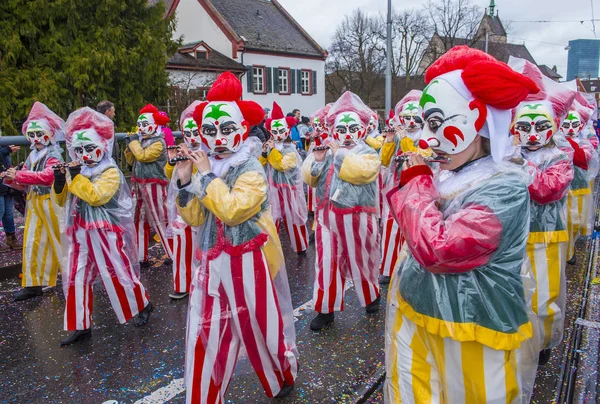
(468, 205)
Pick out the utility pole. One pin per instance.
(388, 69)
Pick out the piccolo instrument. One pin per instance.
(173, 147)
(60, 166)
(209, 154)
(403, 158)
(320, 148)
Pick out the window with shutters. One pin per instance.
(306, 79)
(258, 79)
(284, 80)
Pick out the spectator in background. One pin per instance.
(167, 132)
(6, 202)
(296, 113)
(303, 131)
(294, 134)
(107, 108)
(596, 128)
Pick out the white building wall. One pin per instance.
(307, 104)
(196, 25)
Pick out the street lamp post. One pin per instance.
(388, 69)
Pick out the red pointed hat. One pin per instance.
(159, 118)
(40, 112)
(227, 87)
(276, 114)
(489, 81)
(321, 113)
(559, 96)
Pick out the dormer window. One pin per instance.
(201, 55)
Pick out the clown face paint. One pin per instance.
(223, 127)
(534, 125)
(451, 122)
(410, 117)
(146, 125)
(372, 125)
(571, 126)
(318, 125)
(38, 134)
(348, 129)
(279, 130)
(191, 135)
(87, 147)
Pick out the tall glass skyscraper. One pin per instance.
(584, 59)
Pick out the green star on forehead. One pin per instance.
(572, 117)
(426, 97)
(190, 125)
(533, 106)
(347, 119)
(215, 112)
(317, 120)
(411, 107)
(81, 136)
(34, 125)
(277, 124)
(142, 117)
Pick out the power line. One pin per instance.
(533, 40)
(555, 21)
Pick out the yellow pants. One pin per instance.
(587, 213)
(574, 219)
(41, 243)
(547, 261)
(424, 368)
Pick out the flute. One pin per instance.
(403, 158)
(209, 154)
(320, 148)
(60, 166)
(173, 147)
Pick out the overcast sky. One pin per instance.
(545, 41)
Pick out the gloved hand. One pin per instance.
(74, 170)
(60, 179)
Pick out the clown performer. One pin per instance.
(535, 121)
(404, 139)
(240, 295)
(319, 137)
(183, 245)
(97, 227)
(585, 161)
(43, 128)
(374, 138)
(147, 152)
(346, 233)
(282, 165)
(589, 134)
(452, 333)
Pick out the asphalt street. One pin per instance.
(123, 364)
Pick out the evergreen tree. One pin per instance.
(73, 53)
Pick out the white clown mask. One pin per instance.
(410, 117)
(318, 125)
(450, 120)
(572, 125)
(147, 127)
(348, 129)
(191, 135)
(88, 147)
(223, 127)
(280, 130)
(533, 124)
(38, 132)
(372, 125)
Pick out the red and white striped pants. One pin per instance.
(183, 249)
(312, 199)
(347, 248)
(100, 251)
(390, 246)
(151, 212)
(297, 232)
(235, 303)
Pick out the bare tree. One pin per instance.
(411, 32)
(454, 19)
(186, 87)
(356, 60)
